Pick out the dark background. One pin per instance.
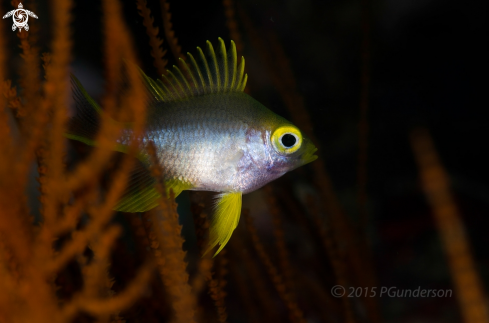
(428, 69)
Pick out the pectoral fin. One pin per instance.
(141, 194)
(224, 220)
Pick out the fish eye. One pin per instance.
(286, 139)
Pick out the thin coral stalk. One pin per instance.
(295, 312)
(57, 96)
(436, 186)
(260, 288)
(155, 42)
(30, 76)
(100, 217)
(166, 237)
(171, 39)
(244, 291)
(337, 259)
(278, 233)
(97, 297)
(232, 24)
(167, 242)
(323, 301)
(13, 101)
(110, 305)
(216, 287)
(204, 266)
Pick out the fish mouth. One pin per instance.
(309, 156)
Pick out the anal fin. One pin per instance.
(224, 220)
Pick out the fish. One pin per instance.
(208, 134)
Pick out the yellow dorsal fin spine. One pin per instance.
(176, 83)
(176, 86)
(170, 88)
(216, 71)
(199, 72)
(153, 88)
(180, 75)
(189, 72)
(207, 71)
(239, 76)
(243, 83)
(169, 94)
(224, 64)
(232, 59)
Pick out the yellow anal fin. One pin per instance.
(224, 220)
(177, 186)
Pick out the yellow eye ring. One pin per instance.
(287, 139)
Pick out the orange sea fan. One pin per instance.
(155, 42)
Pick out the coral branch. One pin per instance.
(169, 33)
(154, 41)
(99, 307)
(13, 101)
(452, 232)
(260, 289)
(166, 239)
(232, 25)
(57, 91)
(216, 287)
(278, 232)
(337, 258)
(295, 313)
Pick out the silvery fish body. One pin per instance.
(208, 134)
(220, 142)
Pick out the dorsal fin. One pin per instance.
(216, 71)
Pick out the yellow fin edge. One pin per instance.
(216, 71)
(224, 220)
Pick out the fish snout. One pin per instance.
(308, 153)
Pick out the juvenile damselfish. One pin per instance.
(209, 136)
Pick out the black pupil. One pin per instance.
(288, 140)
